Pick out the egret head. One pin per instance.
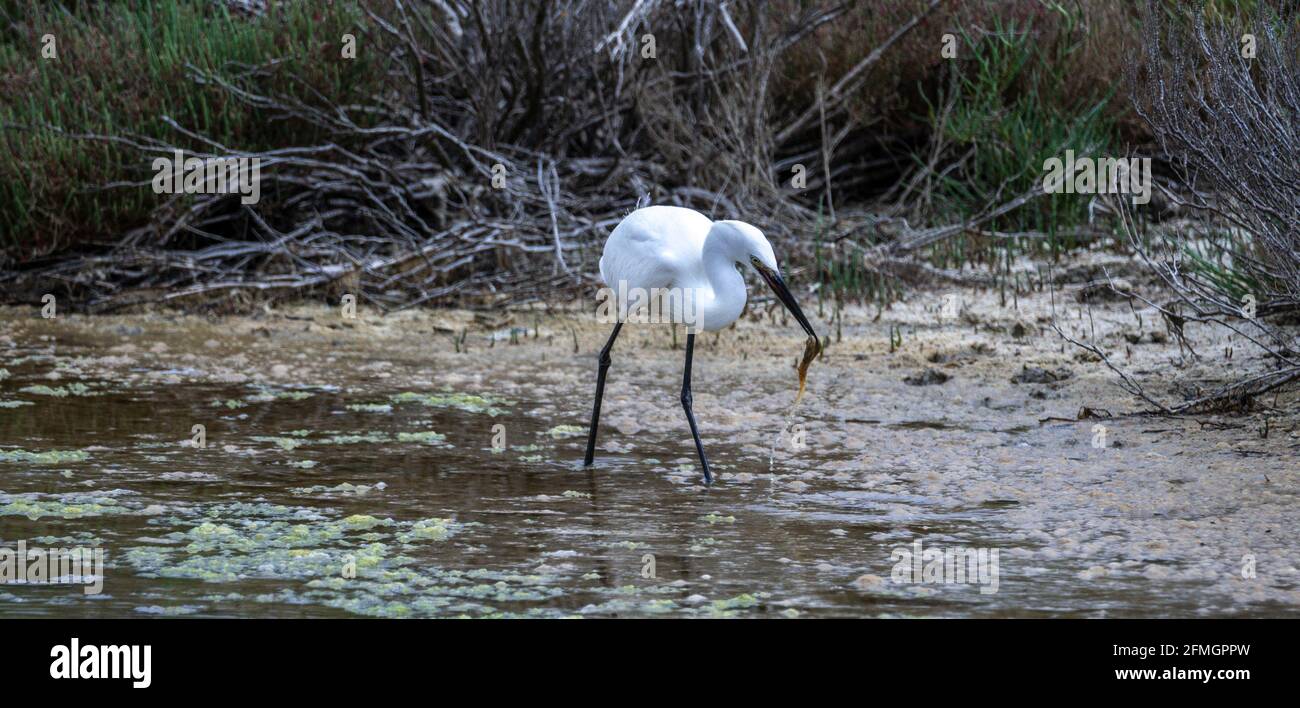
(749, 245)
(746, 243)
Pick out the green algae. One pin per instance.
(72, 389)
(344, 488)
(738, 602)
(427, 530)
(71, 507)
(364, 521)
(250, 543)
(371, 407)
(297, 438)
(353, 439)
(703, 544)
(716, 518)
(286, 444)
(266, 394)
(261, 510)
(50, 457)
(566, 431)
(425, 436)
(467, 402)
(15, 404)
(168, 611)
(81, 538)
(302, 464)
(656, 607)
(277, 563)
(339, 562)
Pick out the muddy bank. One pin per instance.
(427, 464)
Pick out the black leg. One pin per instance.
(686, 404)
(600, 393)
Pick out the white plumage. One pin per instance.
(667, 247)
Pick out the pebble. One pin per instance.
(869, 582)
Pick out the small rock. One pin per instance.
(930, 377)
(1104, 291)
(1096, 571)
(869, 582)
(1037, 375)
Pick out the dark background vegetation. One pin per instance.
(913, 136)
(377, 171)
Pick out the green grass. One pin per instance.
(121, 67)
(1012, 110)
(1215, 260)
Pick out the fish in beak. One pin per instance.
(813, 346)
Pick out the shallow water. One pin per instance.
(355, 477)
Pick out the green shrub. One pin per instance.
(1011, 113)
(121, 67)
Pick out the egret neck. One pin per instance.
(727, 299)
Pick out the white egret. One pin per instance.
(691, 261)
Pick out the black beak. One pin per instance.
(778, 286)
